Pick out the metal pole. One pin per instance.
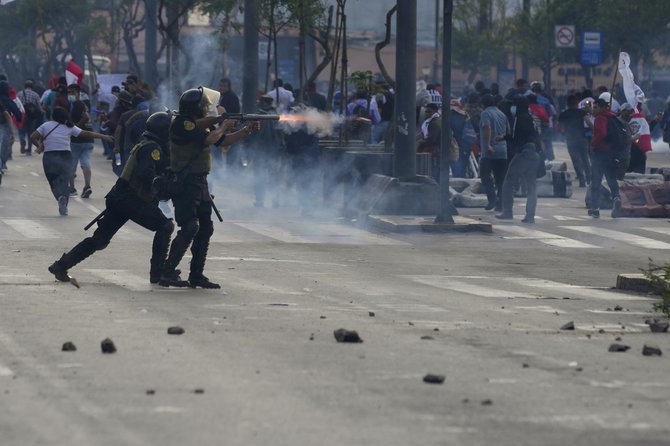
(446, 208)
(404, 156)
(150, 43)
(250, 68)
(437, 38)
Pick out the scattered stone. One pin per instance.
(427, 338)
(436, 329)
(651, 350)
(176, 331)
(618, 308)
(588, 336)
(371, 313)
(618, 338)
(579, 369)
(311, 337)
(107, 346)
(199, 391)
(602, 330)
(618, 348)
(525, 366)
(322, 317)
(411, 323)
(659, 327)
(343, 335)
(151, 392)
(433, 379)
(69, 347)
(569, 326)
(487, 403)
(465, 400)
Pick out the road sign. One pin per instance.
(592, 47)
(564, 36)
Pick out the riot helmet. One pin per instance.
(158, 126)
(192, 101)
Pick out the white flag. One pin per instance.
(634, 94)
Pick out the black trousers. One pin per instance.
(497, 167)
(121, 207)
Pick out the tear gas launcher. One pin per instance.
(248, 117)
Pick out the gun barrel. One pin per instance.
(250, 117)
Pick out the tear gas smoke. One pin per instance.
(311, 120)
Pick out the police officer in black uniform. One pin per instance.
(131, 199)
(191, 159)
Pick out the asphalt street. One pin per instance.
(258, 363)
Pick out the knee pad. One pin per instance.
(190, 228)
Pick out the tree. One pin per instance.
(224, 12)
(273, 16)
(479, 35)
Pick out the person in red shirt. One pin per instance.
(603, 161)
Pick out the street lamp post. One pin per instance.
(447, 209)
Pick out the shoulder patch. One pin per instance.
(189, 125)
(156, 154)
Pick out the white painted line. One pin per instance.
(30, 228)
(90, 207)
(664, 231)
(273, 232)
(543, 237)
(122, 277)
(448, 283)
(334, 233)
(260, 259)
(5, 371)
(619, 236)
(35, 174)
(574, 289)
(412, 308)
(567, 218)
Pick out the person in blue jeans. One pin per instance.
(603, 160)
(492, 124)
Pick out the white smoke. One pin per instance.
(312, 121)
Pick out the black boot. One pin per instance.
(172, 279)
(84, 249)
(58, 270)
(199, 251)
(159, 251)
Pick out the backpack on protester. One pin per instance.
(617, 138)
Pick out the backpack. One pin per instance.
(617, 137)
(33, 111)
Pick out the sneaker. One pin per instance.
(172, 279)
(86, 192)
(529, 220)
(504, 217)
(62, 205)
(202, 282)
(61, 273)
(595, 213)
(490, 206)
(73, 192)
(616, 207)
(155, 278)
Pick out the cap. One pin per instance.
(625, 106)
(536, 86)
(126, 97)
(116, 89)
(606, 96)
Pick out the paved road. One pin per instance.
(262, 349)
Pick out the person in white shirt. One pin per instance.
(279, 92)
(53, 138)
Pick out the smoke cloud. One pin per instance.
(312, 121)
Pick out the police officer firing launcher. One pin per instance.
(131, 198)
(191, 160)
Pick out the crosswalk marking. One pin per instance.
(449, 283)
(574, 289)
(625, 237)
(567, 218)
(30, 228)
(543, 237)
(122, 278)
(663, 230)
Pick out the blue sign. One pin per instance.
(592, 47)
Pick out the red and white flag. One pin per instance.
(634, 94)
(73, 73)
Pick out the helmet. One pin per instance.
(192, 101)
(158, 126)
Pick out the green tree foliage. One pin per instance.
(480, 34)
